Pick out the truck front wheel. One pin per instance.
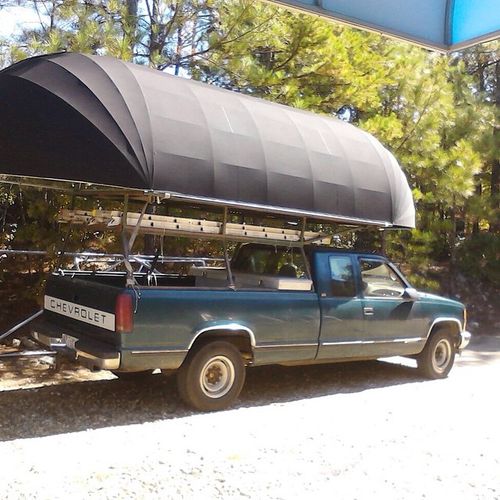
(212, 376)
(436, 360)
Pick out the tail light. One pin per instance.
(124, 313)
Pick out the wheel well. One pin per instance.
(450, 327)
(240, 339)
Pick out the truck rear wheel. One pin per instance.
(438, 356)
(212, 376)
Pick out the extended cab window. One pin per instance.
(379, 280)
(342, 275)
(269, 260)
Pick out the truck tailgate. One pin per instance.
(82, 306)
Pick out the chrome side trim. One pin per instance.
(371, 297)
(445, 320)
(160, 351)
(233, 327)
(273, 346)
(359, 342)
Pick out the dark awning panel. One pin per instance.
(104, 121)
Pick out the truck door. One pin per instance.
(391, 322)
(341, 306)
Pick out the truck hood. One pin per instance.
(442, 300)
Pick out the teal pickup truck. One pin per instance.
(356, 306)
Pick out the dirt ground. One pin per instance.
(359, 430)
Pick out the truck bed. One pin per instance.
(168, 317)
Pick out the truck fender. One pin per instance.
(453, 324)
(229, 331)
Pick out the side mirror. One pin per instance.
(410, 294)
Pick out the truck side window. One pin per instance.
(269, 260)
(342, 284)
(379, 280)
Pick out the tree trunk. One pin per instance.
(132, 7)
(130, 25)
(479, 192)
(453, 241)
(495, 167)
(178, 51)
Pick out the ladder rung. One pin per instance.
(156, 224)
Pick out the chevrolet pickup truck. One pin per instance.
(355, 306)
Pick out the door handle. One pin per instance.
(368, 311)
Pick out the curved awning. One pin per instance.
(101, 120)
(445, 25)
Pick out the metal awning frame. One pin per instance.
(148, 197)
(82, 189)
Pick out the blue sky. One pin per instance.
(12, 19)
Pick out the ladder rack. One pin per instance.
(181, 226)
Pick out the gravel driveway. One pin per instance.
(359, 430)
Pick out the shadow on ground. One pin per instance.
(72, 407)
(74, 403)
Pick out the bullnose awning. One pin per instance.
(101, 120)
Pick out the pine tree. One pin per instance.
(437, 114)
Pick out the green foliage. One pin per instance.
(478, 257)
(293, 59)
(438, 114)
(415, 252)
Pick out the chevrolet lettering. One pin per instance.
(80, 313)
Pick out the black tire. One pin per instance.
(212, 376)
(134, 376)
(438, 356)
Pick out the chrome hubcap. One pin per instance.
(217, 377)
(442, 355)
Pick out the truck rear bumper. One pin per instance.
(93, 355)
